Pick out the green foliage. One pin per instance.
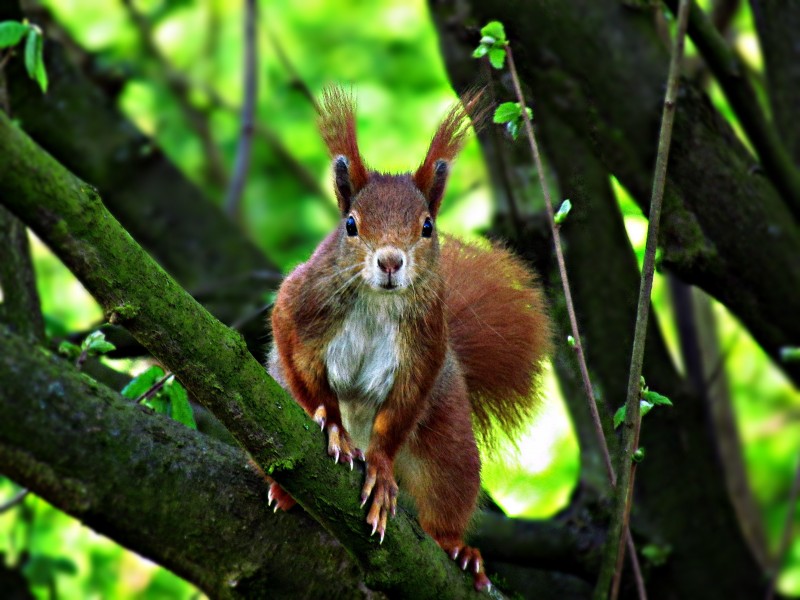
(164, 397)
(655, 554)
(563, 212)
(510, 113)
(95, 343)
(649, 399)
(493, 44)
(11, 33)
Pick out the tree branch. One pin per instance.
(155, 486)
(731, 74)
(212, 362)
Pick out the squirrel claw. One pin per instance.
(381, 486)
(340, 446)
(469, 559)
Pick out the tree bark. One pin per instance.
(190, 503)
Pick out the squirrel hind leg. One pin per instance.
(440, 468)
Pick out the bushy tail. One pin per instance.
(499, 329)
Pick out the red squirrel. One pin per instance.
(397, 340)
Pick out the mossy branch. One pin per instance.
(151, 484)
(213, 363)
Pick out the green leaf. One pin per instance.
(507, 111)
(96, 343)
(656, 398)
(563, 211)
(30, 52)
(638, 455)
(11, 33)
(34, 57)
(142, 382)
(480, 51)
(160, 404)
(497, 56)
(179, 407)
(495, 30)
(657, 555)
(70, 350)
(619, 416)
(570, 341)
(790, 353)
(513, 128)
(645, 407)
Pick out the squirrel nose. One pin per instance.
(389, 261)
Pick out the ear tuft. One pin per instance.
(431, 176)
(337, 123)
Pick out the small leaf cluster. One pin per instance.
(563, 211)
(647, 401)
(493, 44)
(510, 113)
(12, 33)
(169, 399)
(93, 344)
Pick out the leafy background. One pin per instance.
(387, 51)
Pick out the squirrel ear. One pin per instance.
(342, 183)
(431, 176)
(337, 123)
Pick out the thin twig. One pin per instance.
(236, 187)
(154, 389)
(294, 75)
(18, 498)
(615, 550)
(578, 347)
(786, 537)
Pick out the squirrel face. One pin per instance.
(390, 232)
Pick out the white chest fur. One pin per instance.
(362, 360)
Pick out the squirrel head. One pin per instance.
(388, 224)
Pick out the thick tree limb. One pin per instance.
(725, 228)
(213, 363)
(730, 71)
(184, 500)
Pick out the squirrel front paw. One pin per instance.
(381, 485)
(340, 445)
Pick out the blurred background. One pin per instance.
(179, 67)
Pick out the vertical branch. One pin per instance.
(234, 198)
(615, 550)
(578, 347)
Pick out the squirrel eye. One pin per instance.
(427, 228)
(350, 225)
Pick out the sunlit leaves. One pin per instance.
(493, 43)
(510, 113)
(163, 394)
(12, 33)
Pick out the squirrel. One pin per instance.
(395, 340)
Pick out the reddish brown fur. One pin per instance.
(471, 332)
(496, 309)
